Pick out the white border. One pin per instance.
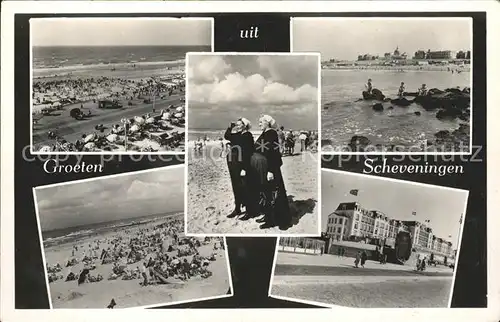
(212, 36)
(316, 157)
(465, 19)
(371, 177)
(42, 247)
(7, 284)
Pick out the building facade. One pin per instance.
(350, 221)
(439, 54)
(337, 226)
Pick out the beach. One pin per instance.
(209, 186)
(160, 241)
(81, 106)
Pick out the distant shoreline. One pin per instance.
(430, 68)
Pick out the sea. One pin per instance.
(56, 57)
(72, 234)
(212, 134)
(346, 116)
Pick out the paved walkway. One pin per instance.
(330, 262)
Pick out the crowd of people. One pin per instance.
(69, 91)
(154, 255)
(137, 128)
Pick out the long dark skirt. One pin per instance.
(258, 183)
(234, 166)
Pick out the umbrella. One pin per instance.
(112, 137)
(89, 138)
(139, 120)
(134, 128)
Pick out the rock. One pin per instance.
(378, 107)
(417, 113)
(450, 113)
(359, 143)
(442, 134)
(401, 102)
(376, 94)
(326, 142)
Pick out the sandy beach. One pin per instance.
(125, 287)
(209, 185)
(57, 91)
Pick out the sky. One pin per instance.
(443, 207)
(121, 32)
(345, 39)
(223, 88)
(114, 198)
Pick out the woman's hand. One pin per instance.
(270, 176)
(243, 173)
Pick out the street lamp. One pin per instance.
(125, 122)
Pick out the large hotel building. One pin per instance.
(350, 221)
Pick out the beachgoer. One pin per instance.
(144, 274)
(368, 86)
(302, 138)
(358, 258)
(422, 91)
(238, 161)
(281, 138)
(401, 89)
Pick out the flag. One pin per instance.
(354, 192)
(414, 213)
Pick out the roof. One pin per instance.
(347, 205)
(338, 214)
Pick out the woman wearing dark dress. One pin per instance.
(266, 174)
(238, 160)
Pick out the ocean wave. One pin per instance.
(83, 66)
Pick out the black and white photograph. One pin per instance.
(118, 242)
(111, 84)
(253, 163)
(385, 243)
(395, 85)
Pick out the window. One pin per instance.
(356, 226)
(338, 230)
(335, 220)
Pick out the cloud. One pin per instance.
(254, 89)
(291, 69)
(206, 69)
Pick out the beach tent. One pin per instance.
(134, 128)
(139, 120)
(112, 138)
(89, 138)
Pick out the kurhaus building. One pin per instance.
(350, 221)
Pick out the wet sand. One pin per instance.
(209, 185)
